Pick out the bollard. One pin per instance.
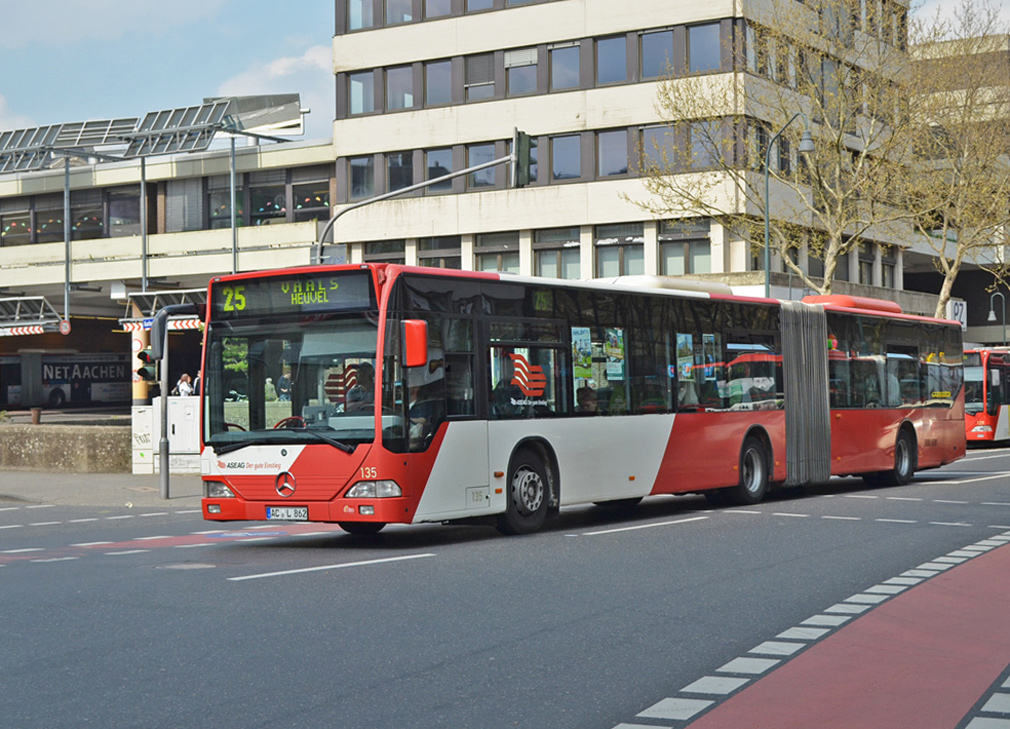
(36, 416)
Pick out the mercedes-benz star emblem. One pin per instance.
(285, 484)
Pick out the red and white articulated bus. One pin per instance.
(987, 394)
(374, 394)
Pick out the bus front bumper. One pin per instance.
(390, 510)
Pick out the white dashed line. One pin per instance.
(643, 526)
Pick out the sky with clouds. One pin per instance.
(67, 61)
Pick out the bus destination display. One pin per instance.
(304, 293)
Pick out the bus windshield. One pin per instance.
(291, 380)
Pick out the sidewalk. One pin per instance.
(99, 489)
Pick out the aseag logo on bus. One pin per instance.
(530, 379)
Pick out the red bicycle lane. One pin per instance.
(922, 659)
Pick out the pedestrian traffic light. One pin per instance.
(149, 371)
(525, 159)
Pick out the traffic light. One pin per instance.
(149, 371)
(525, 159)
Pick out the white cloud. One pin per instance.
(310, 74)
(62, 22)
(9, 119)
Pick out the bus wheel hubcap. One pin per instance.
(527, 490)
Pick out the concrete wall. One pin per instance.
(66, 448)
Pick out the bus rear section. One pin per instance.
(987, 395)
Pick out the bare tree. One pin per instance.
(830, 67)
(959, 182)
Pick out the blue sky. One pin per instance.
(67, 60)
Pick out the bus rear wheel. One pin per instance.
(527, 497)
(754, 475)
(904, 464)
(362, 528)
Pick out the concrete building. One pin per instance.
(424, 87)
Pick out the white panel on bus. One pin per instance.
(454, 489)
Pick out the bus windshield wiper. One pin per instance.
(326, 439)
(222, 448)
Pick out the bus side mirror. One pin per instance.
(415, 342)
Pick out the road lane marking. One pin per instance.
(330, 567)
(968, 480)
(644, 526)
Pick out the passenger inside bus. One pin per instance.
(361, 395)
(426, 411)
(585, 396)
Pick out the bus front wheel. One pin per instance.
(754, 475)
(527, 496)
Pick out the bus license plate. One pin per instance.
(288, 513)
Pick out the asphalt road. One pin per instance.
(151, 617)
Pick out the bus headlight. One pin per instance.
(374, 490)
(982, 429)
(217, 490)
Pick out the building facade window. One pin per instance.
(87, 219)
(709, 143)
(124, 212)
(479, 82)
(361, 92)
(219, 201)
(620, 249)
(437, 8)
(15, 221)
(611, 60)
(704, 48)
(48, 218)
(359, 14)
(399, 11)
(310, 193)
(888, 267)
(612, 153)
(438, 83)
(658, 148)
(478, 154)
(473, 6)
(564, 67)
(268, 197)
(399, 88)
(656, 54)
(385, 251)
(556, 253)
(498, 252)
(438, 162)
(362, 177)
(440, 251)
(521, 71)
(685, 247)
(399, 170)
(566, 157)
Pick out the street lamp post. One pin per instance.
(806, 147)
(992, 311)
